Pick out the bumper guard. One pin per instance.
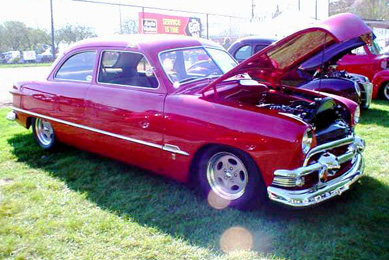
(323, 190)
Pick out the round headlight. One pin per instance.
(357, 88)
(357, 115)
(307, 141)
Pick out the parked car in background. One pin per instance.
(370, 61)
(230, 129)
(316, 72)
(12, 57)
(245, 47)
(2, 58)
(45, 57)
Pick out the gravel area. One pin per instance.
(8, 76)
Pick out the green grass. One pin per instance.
(71, 204)
(24, 65)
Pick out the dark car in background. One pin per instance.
(316, 72)
(247, 46)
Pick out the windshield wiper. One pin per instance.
(208, 77)
(188, 79)
(199, 78)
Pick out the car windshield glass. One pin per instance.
(195, 63)
(374, 47)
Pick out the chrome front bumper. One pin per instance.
(323, 190)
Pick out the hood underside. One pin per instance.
(274, 61)
(334, 53)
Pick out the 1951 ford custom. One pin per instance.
(179, 107)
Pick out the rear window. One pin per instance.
(243, 53)
(78, 67)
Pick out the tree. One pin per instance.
(366, 9)
(2, 39)
(38, 39)
(16, 36)
(129, 27)
(73, 33)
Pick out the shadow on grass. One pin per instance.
(355, 224)
(377, 114)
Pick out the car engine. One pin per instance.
(328, 119)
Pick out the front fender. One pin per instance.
(337, 86)
(272, 140)
(379, 79)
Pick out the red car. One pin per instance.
(369, 61)
(151, 101)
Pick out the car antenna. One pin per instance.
(322, 60)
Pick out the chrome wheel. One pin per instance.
(227, 175)
(44, 132)
(386, 91)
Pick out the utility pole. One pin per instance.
(316, 9)
(252, 10)
(52, 29)
(120, 19)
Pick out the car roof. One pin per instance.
(256, 39)
(154, 42)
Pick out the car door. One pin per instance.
(126, 105)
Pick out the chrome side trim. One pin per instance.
(175, 150)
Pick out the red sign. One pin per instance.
(168, 24)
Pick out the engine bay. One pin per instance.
(324, 114)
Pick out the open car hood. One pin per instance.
(271, 63)
(335, 52)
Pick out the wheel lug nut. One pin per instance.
(230, 168)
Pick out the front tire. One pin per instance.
(43, 133)
(385, 91)
(232, 177)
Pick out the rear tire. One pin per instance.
(230, 178)
(43, 133)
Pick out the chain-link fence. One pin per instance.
(73, 20)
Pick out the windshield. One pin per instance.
(374, 48)
(195, 63)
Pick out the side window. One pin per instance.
(143, 65)
(126, 68)
(243, 52)
(257, 48)
(78, 67)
